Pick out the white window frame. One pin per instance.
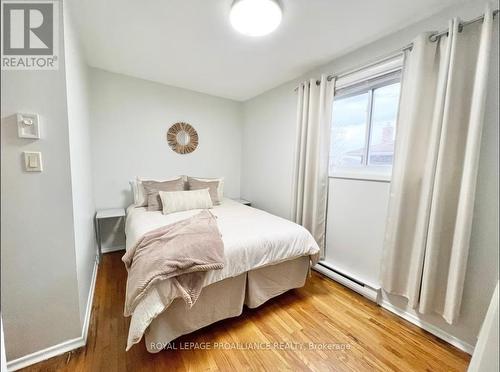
(365, 171)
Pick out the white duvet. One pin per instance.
(252, 238)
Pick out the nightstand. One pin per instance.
(243, 201)
(102, 214)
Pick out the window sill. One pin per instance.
(362, 175)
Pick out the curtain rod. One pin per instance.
(461, 25)
(433, 37)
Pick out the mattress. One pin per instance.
(252, 238)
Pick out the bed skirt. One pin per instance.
(225, 299)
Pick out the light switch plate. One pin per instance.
(28, 126)
(33, 161)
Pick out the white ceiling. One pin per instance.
(190, 43)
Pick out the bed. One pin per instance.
(264, 255)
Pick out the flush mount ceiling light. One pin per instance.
(255, 17)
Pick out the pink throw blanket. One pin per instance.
(182, 252)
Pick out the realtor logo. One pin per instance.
(30, 39)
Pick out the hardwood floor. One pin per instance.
(321, 312)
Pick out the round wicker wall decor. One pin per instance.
(182, 138)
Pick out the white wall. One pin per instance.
(48, 245)
(268, 147)
(40, 304)
(485, 357)
(80, 159)
(130, 119)
(268, 144)
(357, 210)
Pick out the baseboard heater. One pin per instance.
(349, 282)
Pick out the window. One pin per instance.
(364, 127)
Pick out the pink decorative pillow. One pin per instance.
(153, 187)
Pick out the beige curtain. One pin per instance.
(310, 181)
(435, 169)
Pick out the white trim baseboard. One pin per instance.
(460, 344)
(112, 249)
(65, 346)
(90, 301)
(44, 354)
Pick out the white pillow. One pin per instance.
(178, 201)
(140, 196)
(133, 189)
(220, 187)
